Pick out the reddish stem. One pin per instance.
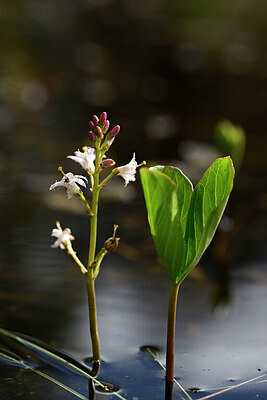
(171, 341)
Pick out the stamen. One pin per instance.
(114, 232)
(142, 163)
(58, 225)
(61, 170)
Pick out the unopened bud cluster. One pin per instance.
(99, 134)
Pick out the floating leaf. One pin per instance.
(182, 220)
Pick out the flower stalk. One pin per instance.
(92, 160)
(90, 279)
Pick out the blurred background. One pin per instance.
(167, 71)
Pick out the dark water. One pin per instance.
(214, 350)
(218, 343)
(166, 72)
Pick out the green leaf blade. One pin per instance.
(184, 189)
(183, 221)
(162, 209)
(208, 203)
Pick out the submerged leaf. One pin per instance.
(182, 220)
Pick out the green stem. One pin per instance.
(106, 179)
(97, 261)
(93, 315)
(91, 256)
(171, 341)
(72, 253)
(86, 204)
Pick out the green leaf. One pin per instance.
(160, 193)
(182, 220)
(184, 189)
(231, 141)
(208, 202)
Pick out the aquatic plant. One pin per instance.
(93, 160)
(231, 140)
(183, 221)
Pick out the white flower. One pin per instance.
(70, 181)
(85, 159)
(128, 171)
(63, 237)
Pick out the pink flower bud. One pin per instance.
(91, 125)
(98, 131)
(114, 131)
(106, 126)
(92, 136)
(95, 119)
(103, 118)
(108, 162)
